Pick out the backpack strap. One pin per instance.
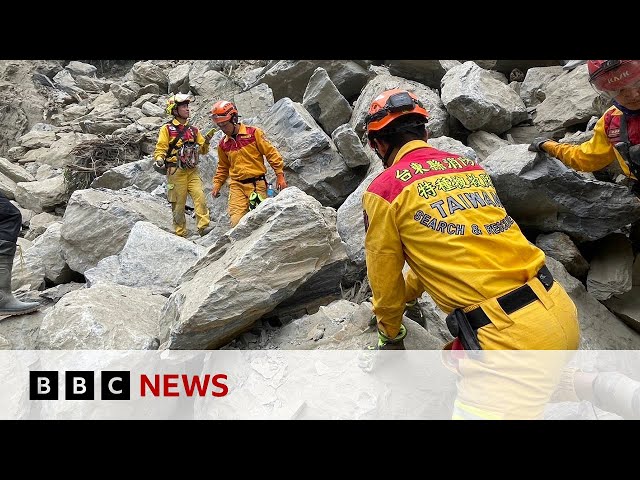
(173, 143)
(624, 134)
(629, 153)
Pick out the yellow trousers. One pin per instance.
(518, 384)
(239, 198)
(522, 358)
(183, 182)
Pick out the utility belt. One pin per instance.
(253, 179)
(465, 325)
(176, 163)
(255, 198)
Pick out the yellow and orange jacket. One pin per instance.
(599, 151)
(440, 212)
(169, 131)
(242, 157)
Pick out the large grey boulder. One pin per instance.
(284, 242)
(93, 215)
(479, 101)
(105, 317)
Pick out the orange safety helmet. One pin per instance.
(390, 105)
(611, 76)
(223, 111)
(174, 100)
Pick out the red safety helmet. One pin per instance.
(612, 76)
(223, 111)
(390, 105)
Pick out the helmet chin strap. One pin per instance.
(384, 158)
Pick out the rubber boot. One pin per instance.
(9, 305)
(397, 343)
(413, 310)
(205, 230)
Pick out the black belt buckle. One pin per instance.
(459, 326)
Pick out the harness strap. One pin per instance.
(173, 143)
(624, 147)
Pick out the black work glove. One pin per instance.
(159, 166)
(536, 145)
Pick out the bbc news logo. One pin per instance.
(80, 385)
(116, 385)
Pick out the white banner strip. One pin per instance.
(319, 384)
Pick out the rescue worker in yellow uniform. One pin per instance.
(440, 213)
(241, 154)
(616, 135)
(616, 132)
(177, 151)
